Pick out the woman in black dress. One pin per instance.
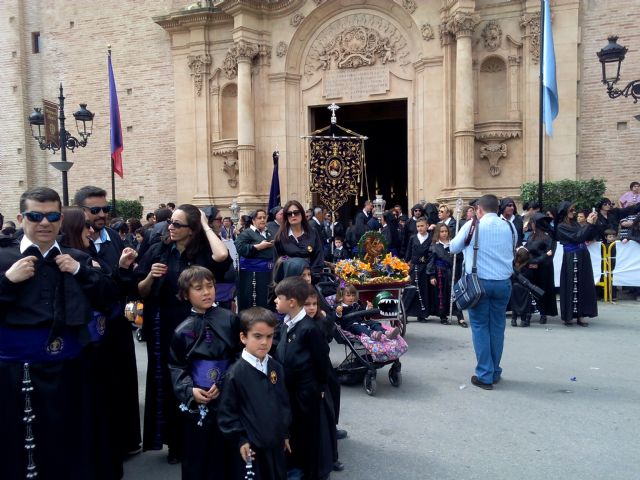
(542, 248)
(190, 242)
(256, 252)
(577, 288)
(295, 238)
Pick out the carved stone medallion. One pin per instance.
(493, 152)
(355, 41)
(409, 5)
(492, 35)
(297, 19)
(281, 49)
(427, 32)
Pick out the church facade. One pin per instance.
(447, 91)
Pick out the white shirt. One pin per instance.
(255, 229)
(255, 361)
(103, 237)
(422, 238)
(291, 322)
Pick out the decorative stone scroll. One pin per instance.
(531, 23)
(241, 49)
(199, 66)
(296, 19)
(493, 152)
(427, 32)
(492, 35)
(354, 41)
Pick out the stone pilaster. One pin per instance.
(462, 25)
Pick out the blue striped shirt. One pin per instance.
(495, 248)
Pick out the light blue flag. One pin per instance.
(550, 87)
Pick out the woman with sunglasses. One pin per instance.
(577, 289)
(295, 238)
(609, 216)
(190, 241)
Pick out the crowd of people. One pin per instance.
(238, 359)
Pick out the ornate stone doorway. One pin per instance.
(386, 150)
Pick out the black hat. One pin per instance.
(211, 212)
(542, 221)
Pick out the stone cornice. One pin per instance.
(185, 19)
(498, 131)
(276, 8)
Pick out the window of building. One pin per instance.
(35, 42)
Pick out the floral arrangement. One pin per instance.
(385, 270)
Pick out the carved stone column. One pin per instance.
(462, 25)
(246, 136)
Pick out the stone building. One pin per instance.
(446, 91)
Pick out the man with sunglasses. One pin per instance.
(106, 249)
(509, 212)
(47, 295)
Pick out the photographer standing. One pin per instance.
(495, 266)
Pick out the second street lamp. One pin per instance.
(52, 135)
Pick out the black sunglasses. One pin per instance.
(176, 224)
(96, 210)
(37, 217)
(293, 213)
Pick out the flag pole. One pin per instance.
(540, 134)
(113, 175)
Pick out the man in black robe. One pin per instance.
(106, 248)
(47, 294)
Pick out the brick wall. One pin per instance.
(606, 149)
(74, 38)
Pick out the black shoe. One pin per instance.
(445, 321)
(172, 458)
(422, 320)
(543, 319)
(338, 466)
(478, 383)
(526, 321)
(514, 320)
(581, 323)
(341, 434)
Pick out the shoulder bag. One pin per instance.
(467, 291)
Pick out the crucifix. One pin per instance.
(333, 107)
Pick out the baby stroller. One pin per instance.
(364, 356)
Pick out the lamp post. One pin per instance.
(54, 137)
(611, 57)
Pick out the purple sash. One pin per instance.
(442, 264)
(258, 265)
(225, 292)
(206, 373)
(31, 345)
(574, 247)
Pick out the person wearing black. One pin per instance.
(254, 412)
(47, 295)
(542, 248)
(418, 254)
(257, 255)
(509, 212)
(203, 347)
(360, 225)
(577, 289)
(296, 238)
(106, 248)
(276, 214)
(410, 227)
(440, 272)
(609, 216)
(303, 352)
(190, 242)
(521, 298)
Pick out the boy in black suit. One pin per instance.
(304, 353)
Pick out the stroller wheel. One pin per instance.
(370, 384)
(395, 375)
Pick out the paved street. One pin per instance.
(537, 423)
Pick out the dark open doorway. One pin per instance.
(385, 123)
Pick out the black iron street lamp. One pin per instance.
(62, 140)
(611, 57)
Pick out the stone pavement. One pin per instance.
(567, 407)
